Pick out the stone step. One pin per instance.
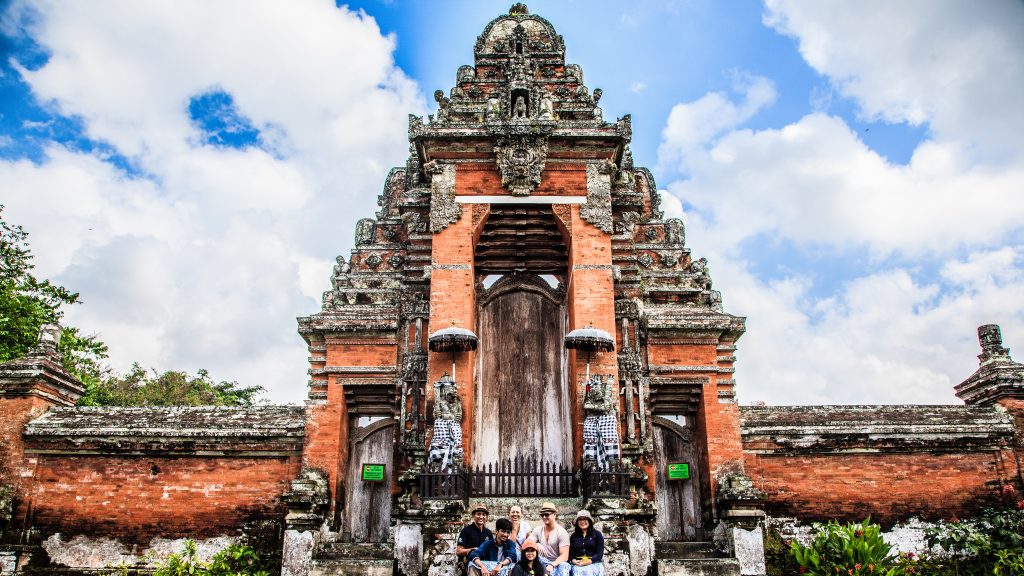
(695, 567)
(353, 551)
(686, 550)
(351, 567)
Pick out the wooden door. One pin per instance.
(368, 505)
(522, 397)
(678, 501)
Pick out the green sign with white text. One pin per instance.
(679, 471)
(373, 472)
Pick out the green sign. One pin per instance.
(373, 472)
(679, 471)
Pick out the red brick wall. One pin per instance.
(556, 180)
(887, 486)
(136, 498)
(1015, 406)
(453, 298)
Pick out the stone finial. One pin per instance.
(519, 9)
(997, 377)
(49, 339)
(991, 339)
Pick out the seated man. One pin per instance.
(552, 542)
(495, 557)
(474, 534)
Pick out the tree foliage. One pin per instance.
(26, 303)
(140, 387)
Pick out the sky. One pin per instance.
(851, 170)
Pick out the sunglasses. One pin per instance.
(545, 514)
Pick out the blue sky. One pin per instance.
(851, 171)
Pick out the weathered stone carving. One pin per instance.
(645, 260)
(547, 108)
(396, 261)
(444, 210)
(466, 74)
(364, 231)
(598, 208)
(519, 108)
(521, 160)
(493, 108)
(674, 231)
(49, 340)
(700, 268)
(373, 261)
(339, 279)
(415, 366)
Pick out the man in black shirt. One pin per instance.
(474, 534)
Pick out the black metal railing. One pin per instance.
(524, 478)
(612, 482)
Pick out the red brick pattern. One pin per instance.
(888, 487)
(137, 498)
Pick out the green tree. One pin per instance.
(140, 387)
(26, 303)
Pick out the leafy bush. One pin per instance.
(992, 543)
(235, 560)
(853, 549)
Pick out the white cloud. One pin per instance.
(814, 182)
(205, 260)
(890, 333)
(637, 87)
(885, 337)
(953, 65)
(695, 124)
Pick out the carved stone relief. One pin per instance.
(444, 210)
(521, 161)
(364, 231)
(598, 208)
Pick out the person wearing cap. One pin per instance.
(552, 542)
(495, 557)
(529, 562)
(474, 534)
(586, 547)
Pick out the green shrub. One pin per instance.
(235, 560)
(853, 549)
(990, 544)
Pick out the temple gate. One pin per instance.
(518, 221)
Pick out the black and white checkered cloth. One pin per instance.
(446, 444)
(600, 439)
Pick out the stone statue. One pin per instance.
(600, 431)
(445, 452)
(493, 108)
(519, 110)
(443, 103)
(700, 268)
(49, 339)
(547, 108)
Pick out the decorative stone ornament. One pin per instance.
(521, 161)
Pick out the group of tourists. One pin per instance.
(517, 549)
